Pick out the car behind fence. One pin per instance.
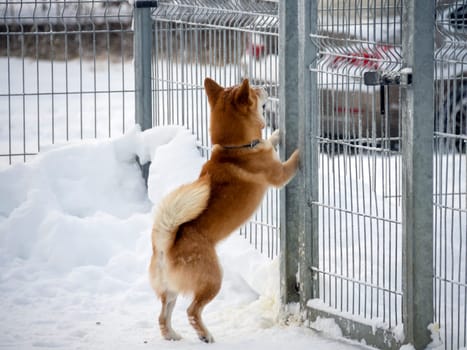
(373, 231)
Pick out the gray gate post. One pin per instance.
(298, 99)
(308, 139)
(290, 195)
(142, 47)
(417, 172)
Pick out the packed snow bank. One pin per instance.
(75, 245)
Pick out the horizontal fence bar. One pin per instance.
(66, 93)
(352, 212)
(356, 281)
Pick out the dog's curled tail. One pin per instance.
(181, 205)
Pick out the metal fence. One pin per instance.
(450, 173)
(66, 73)
(218, 39)
(381, 237)
(357, 260)
(373, 231)
(356, 226)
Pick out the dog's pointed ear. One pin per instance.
(243, 93)
(212, 89)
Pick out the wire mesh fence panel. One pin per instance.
(362, 274)
(67, 73)
(358, 203)
(226, 41)
(359, 161)
(450, 173)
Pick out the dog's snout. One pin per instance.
(262, 93)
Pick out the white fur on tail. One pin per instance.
(179, 206)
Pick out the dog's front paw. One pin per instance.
(275, 137)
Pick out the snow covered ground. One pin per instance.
(75, 223)
(75, 244)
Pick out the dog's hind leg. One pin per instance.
(194, 316)
(202, 297)
(168, 300)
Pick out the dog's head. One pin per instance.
(236, 112)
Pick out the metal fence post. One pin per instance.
(417, 174)
(298, 96)
(142, 61)
(308, 126)
(290, 195)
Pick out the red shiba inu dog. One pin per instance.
(192, 219)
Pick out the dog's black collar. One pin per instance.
(252, 144)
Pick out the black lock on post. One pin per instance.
(383, 79)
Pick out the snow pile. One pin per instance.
(436, 342)
(327, 326)
(75, 245)
(407, 347)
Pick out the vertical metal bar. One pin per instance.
(308, 132)
(80, 50)
(109, 84)
(157, 95)
(67, 109)
(308, 140)
(23, 82)
(122, 58)
(417, 174)
(94, 69)
(38, 123)
(8, 53)
(142, 61)
(52, 80)
(291, 195)
(143, 72)
(183, 67)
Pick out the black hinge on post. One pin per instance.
(382, 79)
(140, 4)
